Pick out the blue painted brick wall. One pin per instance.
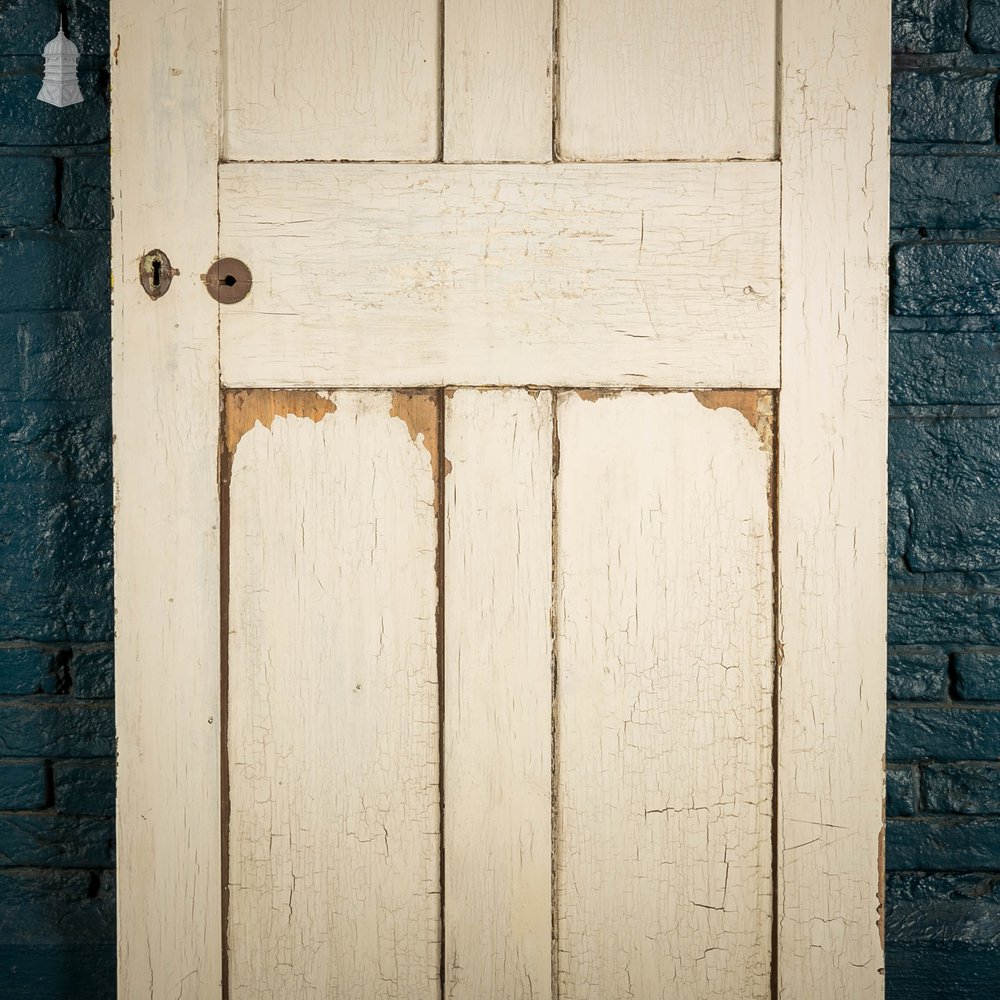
(56, 717)
(56, 668)
(943, 785)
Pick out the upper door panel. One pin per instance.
(499, 80)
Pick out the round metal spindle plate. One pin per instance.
(228, 280)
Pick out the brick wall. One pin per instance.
(56, 718)
(56, 727)
(943, 843)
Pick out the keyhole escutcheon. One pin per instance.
(228, 280)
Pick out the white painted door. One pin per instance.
(501, 581)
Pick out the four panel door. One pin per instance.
(495, 562)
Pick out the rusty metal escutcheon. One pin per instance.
(228, 280)
(155, 273)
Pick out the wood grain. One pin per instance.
(665, 661)
(333, 733)
(498, 81)
(832, 496)
(636, 274)
(498, 695)
(314, 80)
(649, 80)
(165, 411)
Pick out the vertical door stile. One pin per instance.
(498, 694)
(835, 68)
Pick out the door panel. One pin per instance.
(333, 825)
(665, 659)
(315, 80)
(390, 274)
(498, 694)
(648, 80)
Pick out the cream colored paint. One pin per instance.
(377, 274)
(832, 497)
(665, 662)
(525, 306)
(498, 62)
(498, 695)
(649, 80)
(316, 80)
(334, 845)
(165, 411)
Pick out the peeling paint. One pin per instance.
(419, 411)
(244, 408)
(756, 406)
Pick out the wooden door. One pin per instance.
(500, 583)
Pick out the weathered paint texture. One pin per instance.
(55, 665)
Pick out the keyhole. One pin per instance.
(156, 272)
(229, 280)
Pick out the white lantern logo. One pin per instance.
(60, 87)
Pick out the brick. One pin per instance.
(33, 729)
(961, 619)
(943, 908)
(51, 841)
(900, 791)
(86, 186)
(935, 367)
(23, 784)
(946, 279)
(945, 192)
(984, 25)
(970, 789)
(917, 674)
(927, 25)
(55, 439)
(61, 971)
(94, 674)
(33, 671)
(944, 479)
(948, 971)
(977, 676)
(54, 907)
(55, 271)
(55, 355)
(942, 844)
(55, 546)
(84, 789)
(942, 734)
(942, 106)
(27, 190)
(26, 25)
(30, 122)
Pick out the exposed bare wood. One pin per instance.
(245, 408)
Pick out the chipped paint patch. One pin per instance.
(593, 395)
(419, 411)
(245, 408)
(756, 406)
